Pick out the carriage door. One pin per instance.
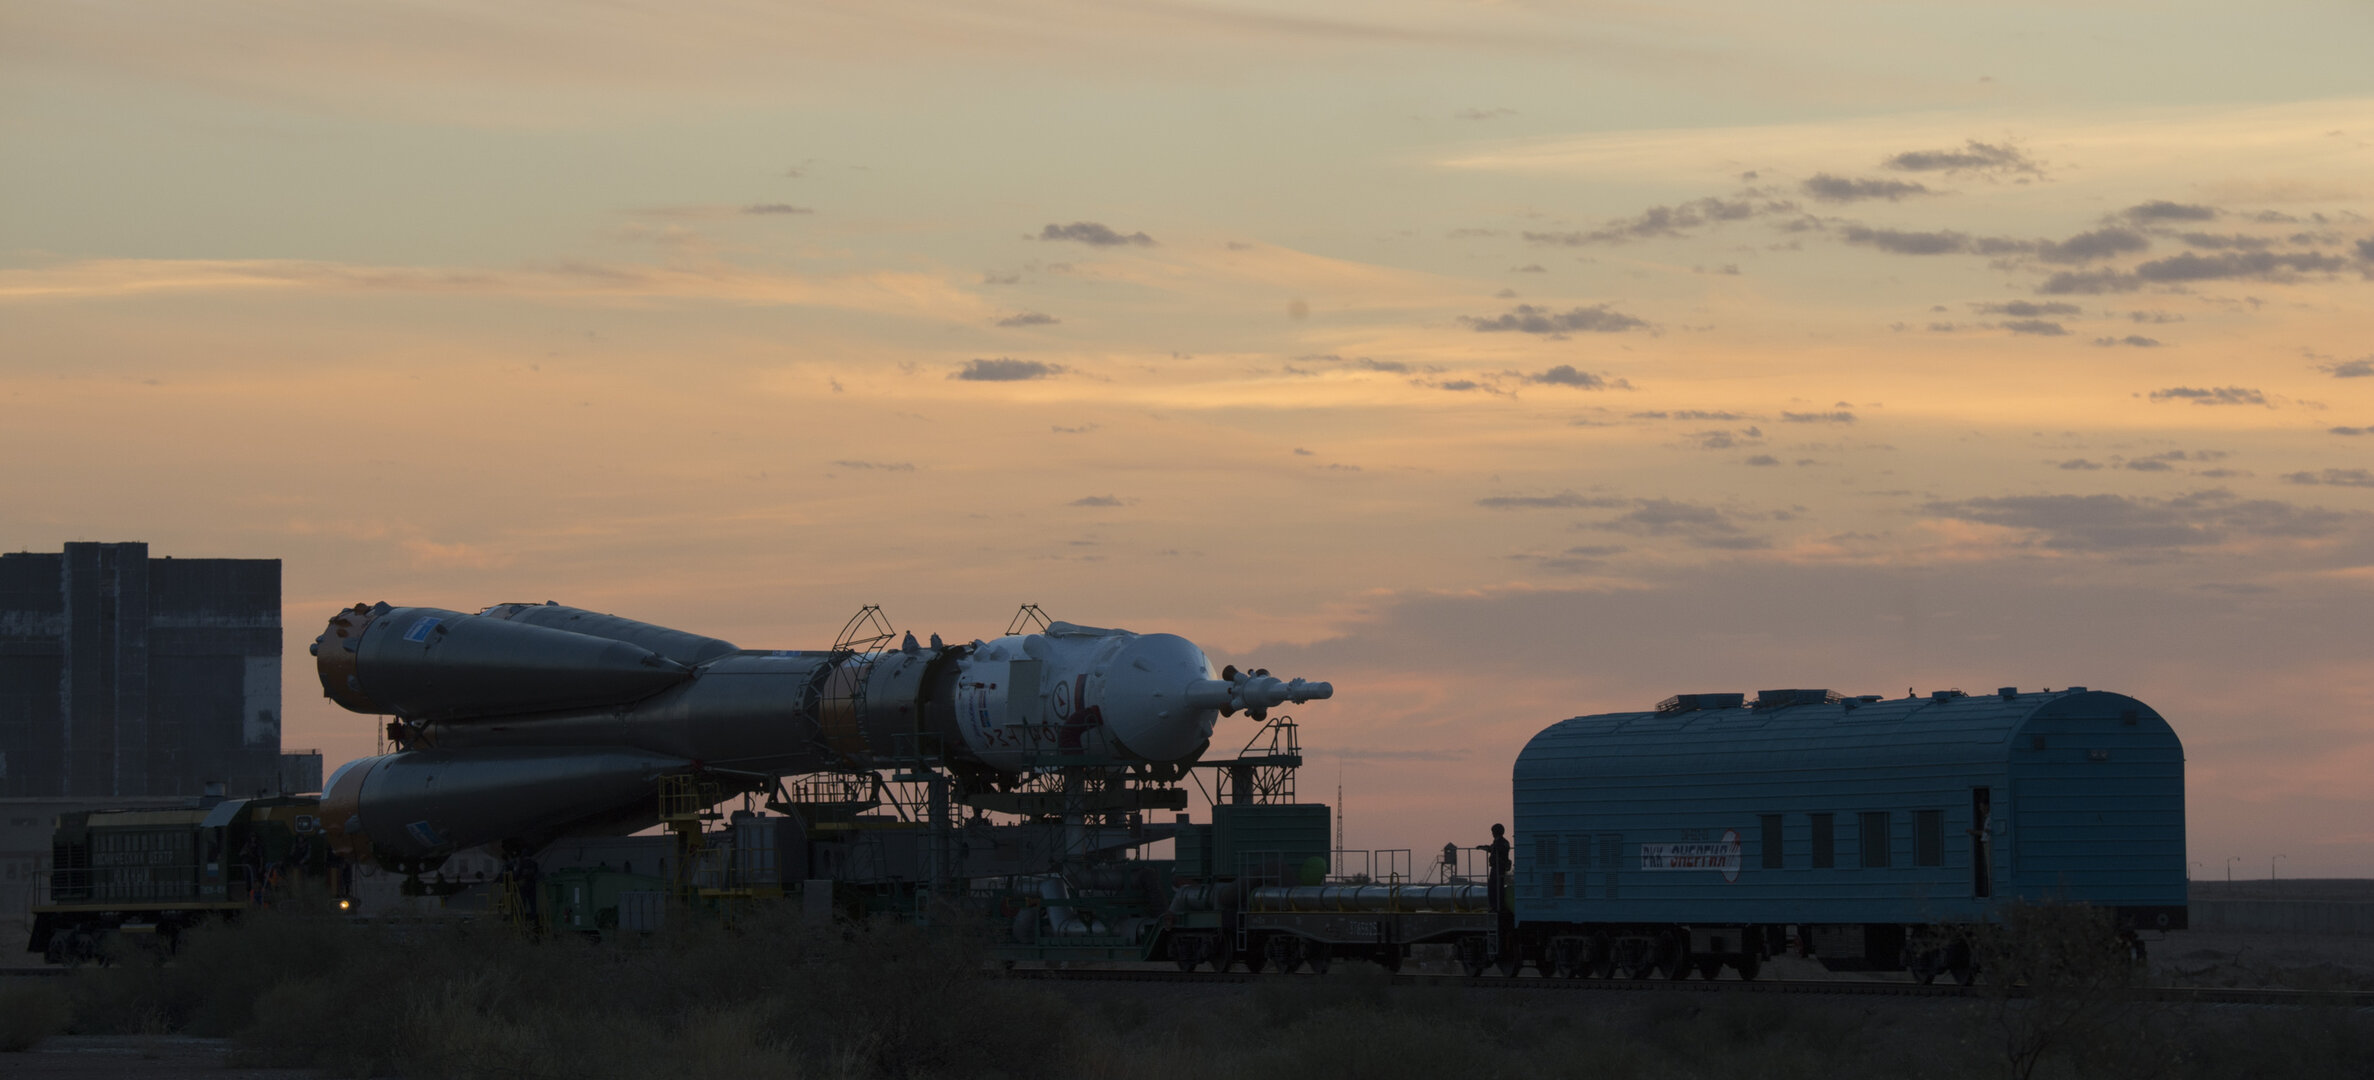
(1982, 843)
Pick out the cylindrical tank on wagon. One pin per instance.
(421, 805)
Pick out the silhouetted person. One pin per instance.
(1497, 865)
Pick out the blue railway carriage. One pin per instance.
(1699, 835)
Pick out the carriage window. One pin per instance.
(1928, 837)
(1824, 857)
(1558, 884)
(1875, 839)
(1772, 841)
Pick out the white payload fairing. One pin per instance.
(529, 721)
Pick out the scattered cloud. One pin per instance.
(2041, 327)
(775, 208)
(1566, 375)
(1029, 318)
(2136, 340)
(1663, 221)
(1699, 526)
(1973, 156)
(1006, 369)
(1529, 268)
(884, 466)
(1944, 242)
(1082, 429)
(1096, 501)
(2349, 369)
(2111, 523)
(2089, 246)
(2229, 241)
(1564, 500)
(1840, 417)
(1528, 319)
(1763, 459)
(1094, 235)
(2028, 309)
(2216, 395)
(1689, 414)
(1484, 114)
(2079, 463)
(2163, 210)
(2352, 430)
(2338, 477)
(1830, 188)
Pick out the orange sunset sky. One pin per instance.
(1499, 362)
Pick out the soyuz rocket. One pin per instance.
(526, 722)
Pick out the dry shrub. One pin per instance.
(29, 1014)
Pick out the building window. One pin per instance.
(1874, 841)
(1928, 837)
(1772, 841)
(1558, 884)
(1545, 851)
(1824, 855)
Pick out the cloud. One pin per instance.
(2221, 243)
(1720, 439)
(775, 208)
(2233, 264)
(1484, 114)
(2216, 395)
(2078, 463)
(1819, 417)
(2352, 430)
(1529, 268)
(2088, 246)
(1029, 318)
(1974, 156)
(2107, 523)
(1901, 242)
(2163, 210)
(2365, 249)
(1700, 526)
(1094, 235)
(1006, 369)
(2136, 340)
(1763, 459)
(1528, 319)
(1689, 414)
(1564, 500)
(2027, 309)
(1566, 375)
(1394, 366)
(1830, 188)
(1096, 501)
(1082, 429)
(1662, 221)
(2089, 282)
(2035, 326)
(2349, 369)
(884, 466)
(2337, 477)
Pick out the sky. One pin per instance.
(1498, 362)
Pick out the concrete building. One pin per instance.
(127, 680)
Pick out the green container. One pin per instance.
(587, 900)
(1275, 842)
(1194, 852)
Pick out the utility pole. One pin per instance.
(2230, 861)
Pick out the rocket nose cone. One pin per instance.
(1145, 698)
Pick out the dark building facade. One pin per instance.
(123, 675)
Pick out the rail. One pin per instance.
(2196, 995)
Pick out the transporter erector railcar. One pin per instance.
(1691, 836)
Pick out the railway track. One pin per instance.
(2194, 995)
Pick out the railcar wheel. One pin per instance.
(1924, 966)
(1747, 966)
(1709, 967)
(1318, 959)
(1510, 966)
(1959, 964)
(1389, 958)
(1603, 957)
(1673, 955)
(1254, 961)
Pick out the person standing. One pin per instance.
(1497, 865)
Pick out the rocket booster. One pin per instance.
(534, 720)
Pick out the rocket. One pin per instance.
(526, 722)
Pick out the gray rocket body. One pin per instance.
(525, 722)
